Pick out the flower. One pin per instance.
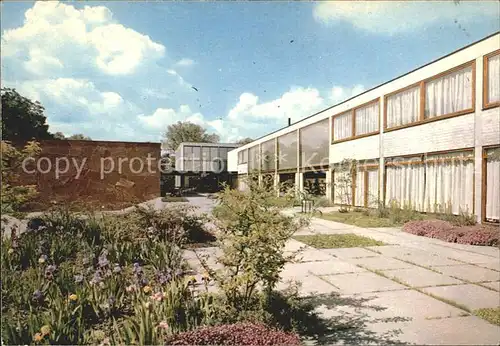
(146, 289)
(37, 337)
(45, 330)
(73, 297)
(78, 279)
(49, 271)
(42, 259)
(37, 295)
(191, 280)
(117, 268)
(102, 261)
(130, 288)
(158, 296)
(11, 251)
(96, 279)
(163, 325)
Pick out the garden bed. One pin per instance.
(485, 235)
(174, 199)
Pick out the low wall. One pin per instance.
(94, 171)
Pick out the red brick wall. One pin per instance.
(100, 179)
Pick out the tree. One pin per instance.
(185, 131)
(22, 119)
(79, 136)
(244, 141)
(59, 135)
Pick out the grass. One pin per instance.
(358, 219)
(491, 315)
(174, 199)
(333, 241)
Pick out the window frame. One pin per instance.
(353, 119)
(486, 103)
(484, 182)
(422, 84)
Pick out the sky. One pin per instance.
(124, 71)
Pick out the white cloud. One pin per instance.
(339, 94)
(185, 62)
(389, 17)
(55, 35)
(72, 92)
(162, 117)
(179, 77)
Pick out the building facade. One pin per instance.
(203, 166)
(429, 139)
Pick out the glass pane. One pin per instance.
(287, 151)
(214, 153)
(188, 152)
(315, 144)
(253, 158)
(188, 165)
(197, 153)
(196, 165)
(342, 126)
(268, 158)
(403, 107)
(367, 118)
(449, 94)
(205, 151)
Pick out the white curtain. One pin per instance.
(493, 184)
(367, 119)
(449, 184)
(372, 188)
(359, 198)
(342, 126)
(404, 107)
(449, 94)
(405, 184)
(494, 78)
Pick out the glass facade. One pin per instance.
(268, 158)
(253, 158)
(204, 158)
(287, 151)
(315, 144)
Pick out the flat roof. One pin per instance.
(201, 144)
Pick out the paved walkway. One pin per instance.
(413, 290)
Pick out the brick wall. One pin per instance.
(94, 171)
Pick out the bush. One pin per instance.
(235, 334)
(444, 230)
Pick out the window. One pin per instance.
(205, 153)
(403, 108)
(360, 121)
(188, 152)
(242, 156)
(342, 126)
(287, 151)
(449, 183)
(253, 158)
(214, 153)
(268, 160)
(449, 94)
(315, 144)
(491, 190)
(197, 153)
(367, 119)
(366, 185)
(405, 183)
(491, 89)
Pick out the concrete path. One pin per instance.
(414, 290)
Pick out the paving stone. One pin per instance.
(420, 277)
(494, 285)
(472, 296)
(189, 254)
(362, 282)
(467, 330)
(380, 263)
(330, 267)
(312, 285)
(428, 260)
(395, 250)
(494, 265)
(312, 256)
(352, 252)
(295, 245)
(402, 303)
(470, 273)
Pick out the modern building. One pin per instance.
(203, 165)
(429, 138)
